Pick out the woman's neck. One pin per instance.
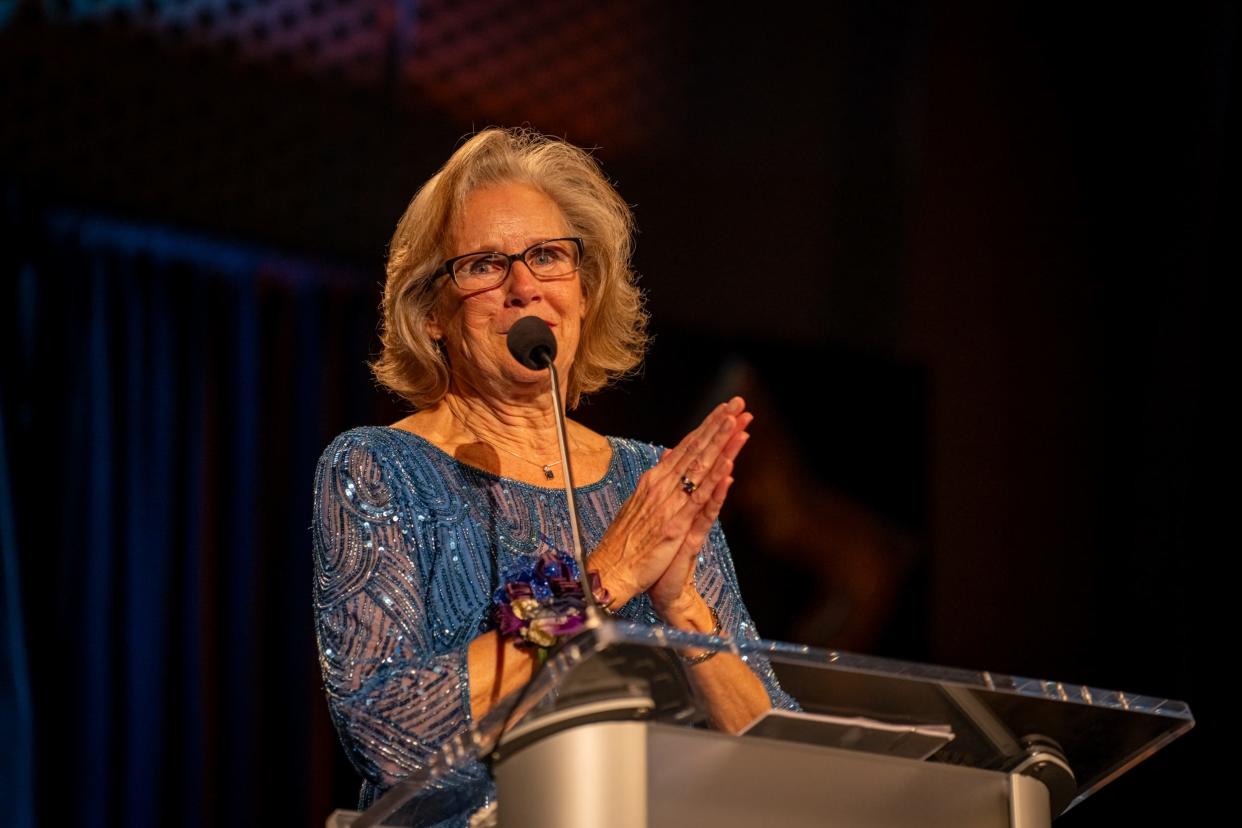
(510, 439)
(524, 427)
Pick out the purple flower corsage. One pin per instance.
(541, 602)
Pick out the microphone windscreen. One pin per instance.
(531, 342)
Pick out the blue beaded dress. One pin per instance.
(409, 543)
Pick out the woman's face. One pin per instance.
(508, 218)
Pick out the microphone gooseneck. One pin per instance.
(531, 343)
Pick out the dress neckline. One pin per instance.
(609, 473)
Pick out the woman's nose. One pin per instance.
(521, 285)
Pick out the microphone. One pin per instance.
(531, 343)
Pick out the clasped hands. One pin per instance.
(653, 543)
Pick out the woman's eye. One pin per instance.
(548, 254)
(483, 266)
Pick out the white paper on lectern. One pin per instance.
(852, 733)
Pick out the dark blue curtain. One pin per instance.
(16, 715)
(165, 397)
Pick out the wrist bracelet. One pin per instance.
(690, 661)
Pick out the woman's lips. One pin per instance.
(505, 332)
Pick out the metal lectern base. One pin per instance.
(632, 774)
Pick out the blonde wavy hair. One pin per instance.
(614, 333)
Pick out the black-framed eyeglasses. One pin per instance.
(551, 259)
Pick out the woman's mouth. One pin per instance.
(505, 332)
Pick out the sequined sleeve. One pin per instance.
(394, 692)
(717, 583)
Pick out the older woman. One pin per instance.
(418, 524)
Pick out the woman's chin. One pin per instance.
(520, 381)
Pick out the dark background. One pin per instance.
(962, 261)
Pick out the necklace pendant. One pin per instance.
(547, 472)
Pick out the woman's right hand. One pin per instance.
(660, 515)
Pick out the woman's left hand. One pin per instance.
(674, 595)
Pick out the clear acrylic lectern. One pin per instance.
(609, 733)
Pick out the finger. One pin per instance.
(705, 519)
(722, 463)
(703, 500)
(711, 510)
(734, 407)
(735, 444)
(699, 454)
(709, 451)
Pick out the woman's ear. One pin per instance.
(434, 329)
